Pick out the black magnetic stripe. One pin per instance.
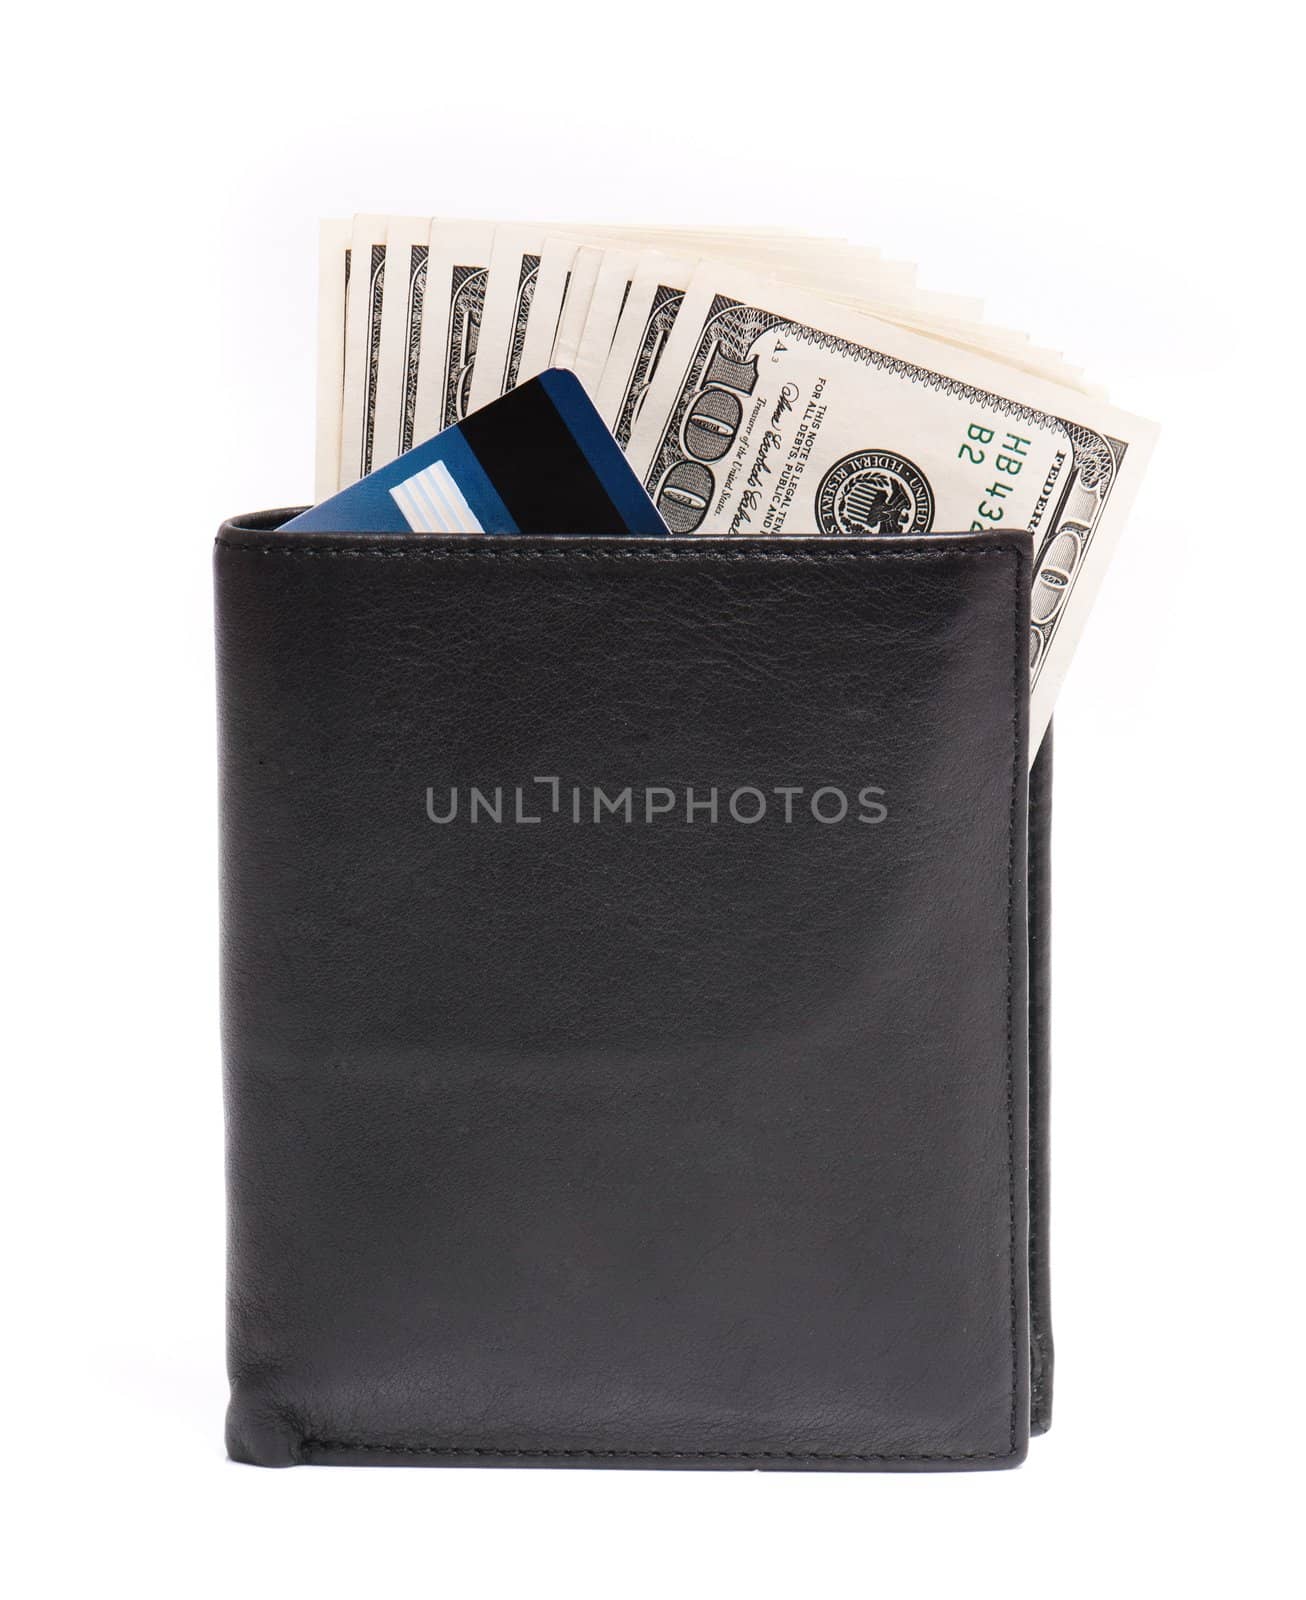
(538, 470)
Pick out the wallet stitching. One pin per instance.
(504, 552)
(1018, 772)
(507, 553)
(642, 1455)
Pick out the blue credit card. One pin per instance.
(537, 460)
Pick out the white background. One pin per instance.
(1113, 179)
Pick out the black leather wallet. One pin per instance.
(635, 1001)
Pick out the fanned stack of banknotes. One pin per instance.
(759, 383)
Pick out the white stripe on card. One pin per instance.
(421, 512)
(431, 502)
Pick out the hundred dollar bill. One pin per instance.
(611, 287)
(514, 278)
(551, 288)
(552, 329)
(576, 305)
(532, 264)
(530, 261)
(658, 288)
(457, 276)
(531, 275)
(645, 323)
(850, 276)
(518, 346)
(401, 338)
(776, 412)
(927, 314)
(332, 291)
(362, 347)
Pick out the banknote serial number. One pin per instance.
(1008, 459)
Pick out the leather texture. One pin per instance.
(629, 1143)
